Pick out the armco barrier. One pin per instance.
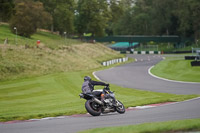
(142, 52)
(145, 52)
(114, 61)
(151, 52)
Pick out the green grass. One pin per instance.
(47, 39)
(156, 127)
(177, 69)
(18, 62)
(57, 94)
(54, 55)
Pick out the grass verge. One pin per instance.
(55, 54)
(177, 69)
(17, 62)
(47, 39)
(178, 126)
(57, 94)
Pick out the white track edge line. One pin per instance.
(149, 72)
(96, 76)
(160, 105)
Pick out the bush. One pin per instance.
(26, 21)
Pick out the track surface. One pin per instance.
(183, 110)
(133, 75)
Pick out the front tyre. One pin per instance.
(120, 107)
(92, 108)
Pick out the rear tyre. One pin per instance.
(120, 107)
(92, 108)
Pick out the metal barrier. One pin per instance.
(114, 61)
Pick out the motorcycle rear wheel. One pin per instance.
(92, 108)
(120, 107)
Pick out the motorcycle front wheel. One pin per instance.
(120, 107)
(92, 108)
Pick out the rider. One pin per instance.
(88, 86)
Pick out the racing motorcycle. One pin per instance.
(95, 106)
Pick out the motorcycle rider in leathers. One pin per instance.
(88, 87)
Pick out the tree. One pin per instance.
(28, 17)
(64, 17)
(136, 20)
(188, 13)
(6, 10)
(124, 25)
(149, 17)
(116, 10)
(92, 17)
(164, 19)
(62, 12)
(141, 17)
(50, 6)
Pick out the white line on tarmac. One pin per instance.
(96, 76)
(149, 72)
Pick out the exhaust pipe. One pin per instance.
(98, 101)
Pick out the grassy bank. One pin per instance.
(177, 69)
(55, 54)
(17, 61)
(178, 126)
(47, 39)
(57, 94)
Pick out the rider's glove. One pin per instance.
(107, 84)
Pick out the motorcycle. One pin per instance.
(95, 106)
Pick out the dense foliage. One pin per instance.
(156, 17)
(28, 17)
(6, 9)
(115, 17)
(92, 16)
(62, 12)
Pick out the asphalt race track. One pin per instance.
(133, 75)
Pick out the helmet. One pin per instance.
(87, 78)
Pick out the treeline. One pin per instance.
(104, 17)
